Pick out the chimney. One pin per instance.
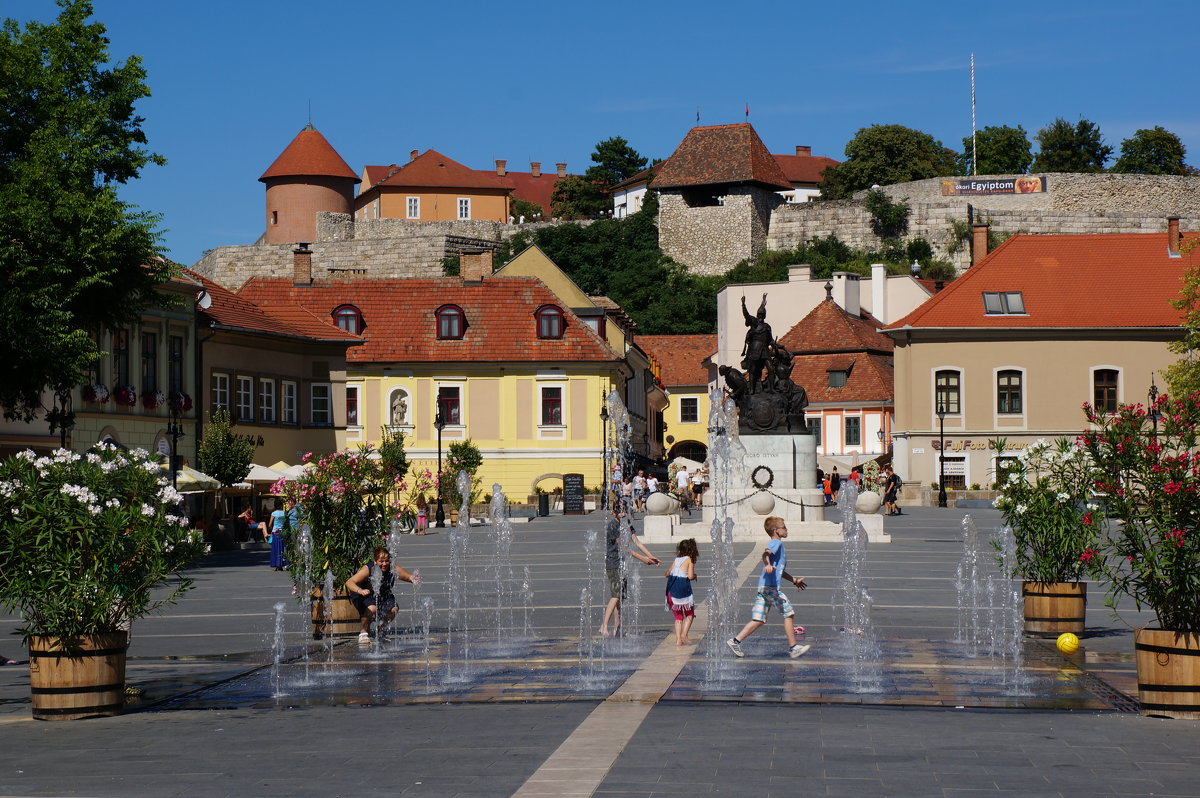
(561, 168)
(846, 292)
(474, 266)
(803, 150)
(799, 272)
(979, 242)
(1173, 236)
(501, 168)
(412, 155)
(879, 293)
(535, 168)
(302, 264)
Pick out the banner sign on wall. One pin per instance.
(972, 186)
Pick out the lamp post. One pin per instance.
(604, 444)
(1152, 395)
(174, 432)
(879, 435)
(439, 423)
(941, 414)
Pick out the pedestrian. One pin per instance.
(680, 600)
(281, 526)
(827, 489)
(698, 486)
(820, 478)
(856, 477)
(361, 588)
(835, 482)
(651, 486)
(639, 492)
(683, 484)
(774, 560)
(891, 489)
(422, 514)
(612, 568)
(627, 492)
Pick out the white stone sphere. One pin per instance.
(762, 502)
(868, 502)
(659, 503)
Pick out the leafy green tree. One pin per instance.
(1183, 376)
(74, 258)
(577, 197)
(1002, 150)
(224, 455)
(1064, 147)
(530, 210)
(888, 219)
(614, 161)
(463, 456)
(1152, 152)
(883, 155)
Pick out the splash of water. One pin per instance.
(725, 458)
(327, 591)
(852, 602)
(304, 587)
(458, 633)
(278, 648)
(501, 566)
(990, 618)
(587, 640)
(527, 603)
(426, 622)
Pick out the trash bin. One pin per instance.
(543, 505)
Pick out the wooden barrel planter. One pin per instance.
(89, 682)
(345, 621)
(1052, 608)
(1168, 671)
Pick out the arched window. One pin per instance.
(349, 318)
(451, 322)
(550, 321)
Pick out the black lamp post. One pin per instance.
(174, 432)
(61, 417)
(439, 423)
(1152, 395)
(604, 478)
(879, 435)
(941, 414)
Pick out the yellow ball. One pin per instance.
(1068, 643)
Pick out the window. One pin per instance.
(351, 405)
(321, 407)
(550, 322)
(120, 347)
(947, 393)
(552, 406)
(149, 363)
(464, 207)
(451, 322)
(175, 364)
(274, 217)
(448, 405)
(1104, 383)
(414, 207)
(853, 431)
(1007, 303)
(289, 402)
(220, 392)
(814, 429)
(597, 324)
(349, 318)
(956, 472)
(245, 398)
(837, 378)
(266, 401)
(689, 410)
(1008, 392)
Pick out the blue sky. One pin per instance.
(544, 81)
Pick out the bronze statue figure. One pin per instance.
(758, 342)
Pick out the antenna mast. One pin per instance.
(974, 152)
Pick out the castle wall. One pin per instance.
(712, 239)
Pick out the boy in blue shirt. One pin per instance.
(774, 559)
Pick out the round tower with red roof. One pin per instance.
(308, 177)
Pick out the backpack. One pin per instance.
(899, 482)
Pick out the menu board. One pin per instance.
(572, 494)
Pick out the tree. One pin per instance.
(224, 456)
(1152, 152)
(577, 197)
(1001, 150)
(73, 257)
(463, 456)
(527, 209)
(1183, 376)
(615, 161)
(883, 155)
(1064, 147)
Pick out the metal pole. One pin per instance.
(440, 515)
(942, 456)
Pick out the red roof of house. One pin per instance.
(680, 356)
(309, 155)
(431, 169)
(804, 168)
(829, 328)
(720, 154)
(830, 339)
(231, 310)
(537, 190)
(1066, 281)
(401, 322)
(870, 379)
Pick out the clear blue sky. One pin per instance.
(529, 80)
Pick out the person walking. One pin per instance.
(835, 483)
(774, 560)
(680, 599)
(639, 492)
(891, 489)
(612, 568)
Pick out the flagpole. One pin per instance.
(974, 151)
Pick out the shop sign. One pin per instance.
(974, 187)
(976, 446)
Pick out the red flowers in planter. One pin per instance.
(181, 402)
(125, 395)
(152, 400)
(96, 394)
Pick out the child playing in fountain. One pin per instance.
(774, 559)
(362, 593)
(612, 567)
(680, 600)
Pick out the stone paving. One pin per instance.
(211, 724)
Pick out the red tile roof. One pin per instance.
(829, 328)
(401, 325)
(537, 190)
(803, 168)
(431, 169)
(830, 339)
(680, 356)
(1066, 281)
(720, 154)
(309, 155)
(233, 311)
(871, 378)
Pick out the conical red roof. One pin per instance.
(720, 154)
(309, 155)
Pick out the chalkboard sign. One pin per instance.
(572, 494)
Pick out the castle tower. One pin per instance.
(308, 177)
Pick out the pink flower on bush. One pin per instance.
(1172, 487)
(1087, 556)
(1087, 517)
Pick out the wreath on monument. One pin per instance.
(762, 485)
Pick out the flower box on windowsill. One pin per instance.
(152, 400)
(125, 396)
(95, 394)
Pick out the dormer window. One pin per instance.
(349, 318)
(550, 321)
(1003, 303)
(451, 322)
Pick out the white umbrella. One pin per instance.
(692, 465)
(190, 480)
(295, 472)
(260, 473)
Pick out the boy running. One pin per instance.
(774, 559)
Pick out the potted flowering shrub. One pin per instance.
(871, 497)
(84, 541)
(95, 394)
(152, 400)
(125, 395)
(1046, 499)
(1149, 472)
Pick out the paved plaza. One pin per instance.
(214, 718)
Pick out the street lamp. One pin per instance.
(1153, 397)
(604, 444)
(174, 432)
(879, 435)
(439, 423)
(941, 414)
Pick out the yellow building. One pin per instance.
(503, 361)
(433, 188)
(687, 372)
